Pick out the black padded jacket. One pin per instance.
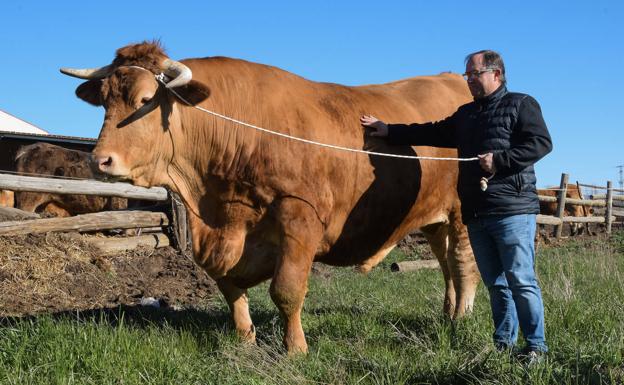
(509, 125)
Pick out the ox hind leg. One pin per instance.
(462, 265)
(301, 232)
(437, 236)
(449, 242)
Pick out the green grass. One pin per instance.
(384, 328)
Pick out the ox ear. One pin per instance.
(193, 93)
(90, 92)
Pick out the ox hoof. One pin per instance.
(297, 350)
(363, 269)
(247, 336)
(449, 308)
(462, 309)
(296, 346)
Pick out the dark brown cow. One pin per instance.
(48, 159)
(570, 210)
(262, 206)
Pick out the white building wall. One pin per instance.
(10, 123)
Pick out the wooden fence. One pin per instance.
(605, 201)
(156, 223)
(176, 221)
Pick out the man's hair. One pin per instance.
(491, 59)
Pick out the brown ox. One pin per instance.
(48, 159)
(263, 206)
(570, 210)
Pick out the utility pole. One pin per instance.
(621, 170)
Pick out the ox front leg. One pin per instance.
(301, 232)
(238, 302)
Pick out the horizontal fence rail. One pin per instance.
(573, 201)
(82, 187)
(552, 220)
(105, 220)
(600, 187)
(604, 196)
(20, 222)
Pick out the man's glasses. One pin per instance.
(477, 73)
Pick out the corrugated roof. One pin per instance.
(47, 137)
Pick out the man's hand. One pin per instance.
(486, 161)
(381, 128)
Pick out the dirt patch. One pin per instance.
(58, 272)
(415, 244)
(55, 272)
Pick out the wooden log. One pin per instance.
(115, 245)
(548, 220)
(415, 265)
(573, 201)
(561, 200)
(147, 230)
(617, 213)
(583, 219)
(609, 201)
(601, 187)
(604, 196)
(105, 220)
(83, 187)
(551, 220)
(13, 214)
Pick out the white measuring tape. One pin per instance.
(160, 78)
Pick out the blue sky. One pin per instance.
(569, 55)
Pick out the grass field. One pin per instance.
(384, 328)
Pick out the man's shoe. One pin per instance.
(531, 357)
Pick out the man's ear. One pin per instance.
(90, 92)
(193, 93)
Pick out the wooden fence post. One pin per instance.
(561, 203)
(180, 228)
(585, 213)
(609, 207)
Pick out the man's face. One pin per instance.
(480, 82)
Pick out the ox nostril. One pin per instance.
(104, 162)
(108, 163)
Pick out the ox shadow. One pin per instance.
(207, 326)
(382, 207)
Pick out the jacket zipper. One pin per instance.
(518, 184)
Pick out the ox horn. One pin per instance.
(88, 73)
(179, 73)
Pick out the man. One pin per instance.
(507, 132)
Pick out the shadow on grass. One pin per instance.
(204, 325)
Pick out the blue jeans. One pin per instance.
(503, 246)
